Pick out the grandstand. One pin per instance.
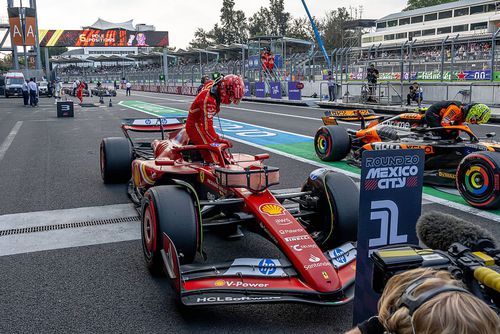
(469, 18)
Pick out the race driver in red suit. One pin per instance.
(199, 124)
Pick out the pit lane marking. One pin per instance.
(9, 139)
(67, 237)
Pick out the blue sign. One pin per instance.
(389, 206)
(474, 75)
(278, 61)
(294, 93)
(260, 89)
(275, 90)
(254, 62)
(267, 266)
(247, 88)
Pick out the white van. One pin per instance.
(13, 84)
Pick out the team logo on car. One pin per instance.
(314, 259)
(202, 176)
(325, 275)
(272, 209)
(219, 283)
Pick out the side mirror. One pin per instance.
(164, 162)
(260, 157)
(491, 135)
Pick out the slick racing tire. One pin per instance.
(477, 179)
(171, 210)
(332, 143)
(115, 160)
(336, 218)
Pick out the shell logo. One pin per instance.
(219, 283)
(272, 209)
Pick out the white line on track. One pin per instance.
(69, 237)
(10, 138)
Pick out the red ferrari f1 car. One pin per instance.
(180, 197)
(454, 156)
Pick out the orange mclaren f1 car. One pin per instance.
(455, 155)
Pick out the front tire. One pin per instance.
(115, 160)
(337, 210)
(332, 143)
(169, 209)
(477, 179)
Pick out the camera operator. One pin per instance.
(372, 77)
(416, 94)
(425, 301)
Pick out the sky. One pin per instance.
(181, 17)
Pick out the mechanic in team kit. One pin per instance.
(199, 124)
(448, 113)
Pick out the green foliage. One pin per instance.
(415, 4)
(233, 26)
(332, 27)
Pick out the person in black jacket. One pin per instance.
(203, 81)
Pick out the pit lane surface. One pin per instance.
(52, 164)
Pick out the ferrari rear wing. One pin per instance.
(153, 124)
(249, 280)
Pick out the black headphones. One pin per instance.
(413, 303)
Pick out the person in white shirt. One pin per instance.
(57, 90)
(129, 88)
(33, 92)
(26, 93)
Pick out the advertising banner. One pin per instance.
(474, 75)
(294, 93)
(247, 88)
(389, 206)
(260, 89)
(95, 37)
(278, 61)
(275, 90)
(16, 28)
(253, 62)
(30, 26)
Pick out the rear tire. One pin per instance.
(476, 177)
(171, 210)
(336, 221)
(332, 143)
(115, 160)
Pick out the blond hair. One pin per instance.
(451, 312)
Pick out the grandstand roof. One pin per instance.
(437, 8)
(279, 38)
(127, 25)
(226, 47)
(109, 58)
(68, 60)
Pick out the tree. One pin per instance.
(258, 24)
(300, 28)
(201, 40)
(279, 18)
(232, 24)
(332, 27)
(415, 4)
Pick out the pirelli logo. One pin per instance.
(447, 175)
